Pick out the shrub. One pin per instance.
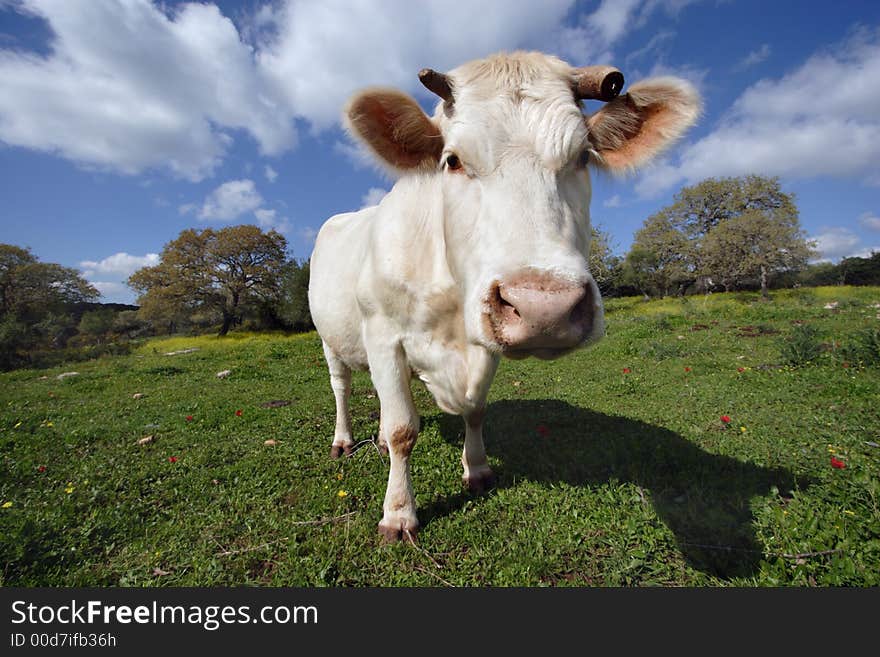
(862, 348)
(801, 346)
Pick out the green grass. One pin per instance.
(632, 479)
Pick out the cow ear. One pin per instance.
(395, 128)
(634, 127)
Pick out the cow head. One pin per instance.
(511, 146)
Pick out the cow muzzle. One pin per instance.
(535, 313)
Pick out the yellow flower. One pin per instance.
(342, 493)
(70, 488)
(742, 429)
(6, 505)
(339, 477)
(50, 424)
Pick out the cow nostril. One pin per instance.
(503, 309)
(582, 311)
(507, 308)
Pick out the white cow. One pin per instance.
(481, 247)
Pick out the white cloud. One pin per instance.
(109, 274)
(866, 253)
(823, 119)
(138, 85)
(308, 234)
(386, 42)
(268, 219)
(653, 47)
(870, 220)
(613, 202)
(187, 208)
(114, 292)
(231, 200)
(120, 265)
(836, 242)
(373, 196)
(271, 174)
(753, 58)
(128, 87)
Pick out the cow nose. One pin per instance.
(535, 311)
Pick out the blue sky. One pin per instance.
(123, 122)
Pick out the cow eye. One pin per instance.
(453, 162)
(583, 159)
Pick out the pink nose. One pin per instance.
(535, 311)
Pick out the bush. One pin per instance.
(862, 348)
(801, 347)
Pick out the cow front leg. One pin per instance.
(399, 426)
(340, 381)
(477, 476)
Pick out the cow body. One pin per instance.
(481, 247)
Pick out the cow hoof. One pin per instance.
(479, 482)
(383, 447)
(395, 534)
(338, 450)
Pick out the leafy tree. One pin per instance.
(212, 273)
(860, 271)
(130, 324)
(638, 271)
(37, 303)
(293, 308)
(755, 244)
(604, 265)
(29, 288)
(664, 258)
(759, 235)
(97, 323)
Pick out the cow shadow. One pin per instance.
(703, 498)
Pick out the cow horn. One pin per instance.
(438, 83)
(597, 83)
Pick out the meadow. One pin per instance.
(717, 440)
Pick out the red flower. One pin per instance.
(172, 459)
(687, 369)
(740, 369)
(238, 412)
(189, 418)
(837, 463)
(42, 468)
(543, 430)
(626, 370)
(846, 364)
(725, 419)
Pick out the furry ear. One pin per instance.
(395, 128)
(634, 127)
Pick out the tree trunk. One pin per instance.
(229, 313)
(764, 286)
(228, 318)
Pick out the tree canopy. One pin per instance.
(730, 231)
(212, 275)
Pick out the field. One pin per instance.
(707, 441)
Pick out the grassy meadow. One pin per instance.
(706, 441)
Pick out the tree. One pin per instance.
(37, 303)
(748, 210)
(97, 323)
(664, 257)
(212, 273)
(293, 308)
(604, 265)
(753, 245)
(29, 288)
